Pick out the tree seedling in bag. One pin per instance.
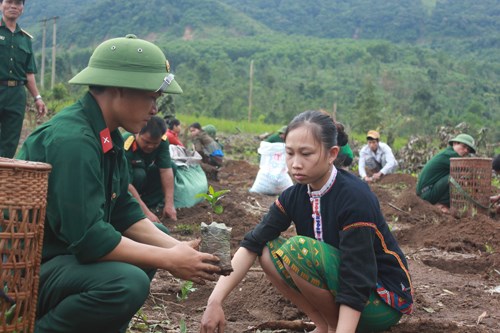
(216, 237)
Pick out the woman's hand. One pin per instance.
(213, 319)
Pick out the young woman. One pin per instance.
(344, 269)
(173, 130)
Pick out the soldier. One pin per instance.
(278, 136)
(100, 252)
(17, 69)
(432, 184)
(150, 166)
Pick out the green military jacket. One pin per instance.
(437, 168)
(274, 138)
(137, 158)
(16, 54)
(88, 203)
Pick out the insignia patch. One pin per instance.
(106, 142)
(167, 65)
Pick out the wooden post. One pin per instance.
(250, 93)
(44, 35)
(54, 54)
(334, 111)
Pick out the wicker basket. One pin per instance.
(470, 186)
(23, 200)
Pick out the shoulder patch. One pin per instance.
(164, 137)
(128, 143)
(26, 33)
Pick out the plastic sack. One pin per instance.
(189, 181)
(183, 157)
(273, 177)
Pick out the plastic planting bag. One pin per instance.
(216, 239)
(189, 181)
(273, 177)
(189, 177)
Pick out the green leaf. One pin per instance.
(211, 190)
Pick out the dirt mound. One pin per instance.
(454, 263)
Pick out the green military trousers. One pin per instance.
(12, 107)
(97, 297)
(148, 184)
(438, 193)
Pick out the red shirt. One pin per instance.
(173, 138)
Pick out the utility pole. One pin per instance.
(54, 54)
(44, 34)
(250, 93)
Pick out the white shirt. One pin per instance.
(383, 155)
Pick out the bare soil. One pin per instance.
(454, 263)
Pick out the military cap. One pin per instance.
(128, 62)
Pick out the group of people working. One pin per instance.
(101, 248)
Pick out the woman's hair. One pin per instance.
(195, 125)
(156, 128)
(172, 122)
(321, 124)
(342, 137)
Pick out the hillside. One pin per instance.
(404, 67)
(470, 27)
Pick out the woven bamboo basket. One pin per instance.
(470, 186)
(23, 200)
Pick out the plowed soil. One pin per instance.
(454, 263)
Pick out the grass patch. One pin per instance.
(229, 126)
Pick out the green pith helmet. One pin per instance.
(465, 139)
(128, 62)
(282, 130)
(211, 130)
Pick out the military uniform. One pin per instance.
(432, 184)
(88, 208)
(16, 60)
(145, 169)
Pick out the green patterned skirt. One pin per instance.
(318, 263)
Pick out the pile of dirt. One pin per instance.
(454, 263)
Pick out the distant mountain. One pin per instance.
(87, 23)
(460, 26)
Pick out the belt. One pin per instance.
(12, 83)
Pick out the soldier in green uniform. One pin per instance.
(151, 174)
(17, 69)
(100, 252)
(277, 137)
(432, 184)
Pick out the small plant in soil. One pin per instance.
(213, 197)
(186, 289)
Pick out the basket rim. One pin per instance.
(471, 158)
(11, 163)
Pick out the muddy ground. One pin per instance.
(454, 263)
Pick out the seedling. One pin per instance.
(186, 289)
(213, 198)
(489, 248)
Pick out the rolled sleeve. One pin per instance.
(361, 162)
